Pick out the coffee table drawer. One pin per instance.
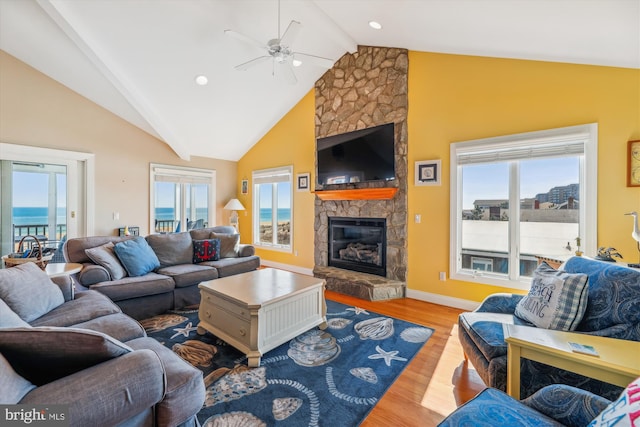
(239, 311)
(233, 325)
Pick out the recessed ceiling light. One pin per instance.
(296, 63)
(375, 25)
(202, 80)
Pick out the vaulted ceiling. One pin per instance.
(139, 58)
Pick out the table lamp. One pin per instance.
(234, 206)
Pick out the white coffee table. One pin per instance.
(259, 310)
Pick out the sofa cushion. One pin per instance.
(46, 353)
(485, 329)
(206, 250)
(134, 287)
(557, 299)
(87, 305)
(8, 317)
(117, 325)
(13, 387)
(189, 274)
(230, 266)
(28, 291)
(172, 248)
(105, 256)
(137, 256)
(229, 244)
(624, 412)
(75, 248)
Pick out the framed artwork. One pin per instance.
(428, 172)
(633, 163)
(302, 180)
(245, 186)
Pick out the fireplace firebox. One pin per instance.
(358, 244)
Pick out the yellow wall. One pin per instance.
(290, 142)
(456, 98)
(37, 111)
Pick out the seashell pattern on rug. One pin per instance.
(416, 335)
(365, 374)
(378, 328)
(338, 323)
(283, 408)
(197, 353)
(313, 348)
(234, 419)
(236, 384)
(161, 322)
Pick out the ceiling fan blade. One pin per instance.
(245, 39)
(318, 60)
(245, 66)
(290, 33)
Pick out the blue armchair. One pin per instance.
(613, 310)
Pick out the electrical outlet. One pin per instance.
(443, 276)
(295, 253)
(417, 218)
(116, 216)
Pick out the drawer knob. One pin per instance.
(208, 313)
(243, 332)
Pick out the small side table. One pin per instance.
(63, 268)
(618, 362)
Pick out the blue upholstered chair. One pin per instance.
(613, 310)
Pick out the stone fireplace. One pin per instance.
(364, 89)
(358, 244)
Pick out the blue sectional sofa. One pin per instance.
(612, 310)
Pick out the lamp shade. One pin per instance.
(234, 205)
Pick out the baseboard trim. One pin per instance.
(288, 267)
(460, 303)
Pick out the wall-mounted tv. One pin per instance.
(358, 156)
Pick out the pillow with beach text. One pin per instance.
(557, 299)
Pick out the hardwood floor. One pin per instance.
(436, 381)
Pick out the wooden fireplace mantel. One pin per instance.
(384, 193)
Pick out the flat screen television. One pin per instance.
(358, 156)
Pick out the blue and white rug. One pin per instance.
(321, 378)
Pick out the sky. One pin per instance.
(490, 181)
(32, 189)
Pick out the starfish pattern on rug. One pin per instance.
(388, 356)
(184, 331)
(357, 310)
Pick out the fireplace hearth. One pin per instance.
(358, 244)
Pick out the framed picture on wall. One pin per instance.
(245, 186)
(633, 163)
(302, 180)
(428, 172)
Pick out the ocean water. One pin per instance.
(166, 214)
(36, 216)
(283, 215)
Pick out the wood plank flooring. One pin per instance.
(436, 381)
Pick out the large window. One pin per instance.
(272, 212)
(520, 196)
(181, 198)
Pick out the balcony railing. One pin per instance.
(41, 231)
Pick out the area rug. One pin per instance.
(320, 378)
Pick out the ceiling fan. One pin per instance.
(279, 51)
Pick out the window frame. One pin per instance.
(183, 175)
(586, 134)
(262, 177)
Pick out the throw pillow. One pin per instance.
(557, 299)
(106, 257)
(229, 244)
(9, 319)
(28, 291)
(206, 250)
(47, 353)
(624, 412)
(136, 256)
(12, 386)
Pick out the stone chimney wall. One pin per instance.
(365, 89)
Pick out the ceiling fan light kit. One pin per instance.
(279, 51)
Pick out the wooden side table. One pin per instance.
(618, 362)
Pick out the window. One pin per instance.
(181, 198)
(520, 196)
(272, 202)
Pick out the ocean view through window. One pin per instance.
(272, 208)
